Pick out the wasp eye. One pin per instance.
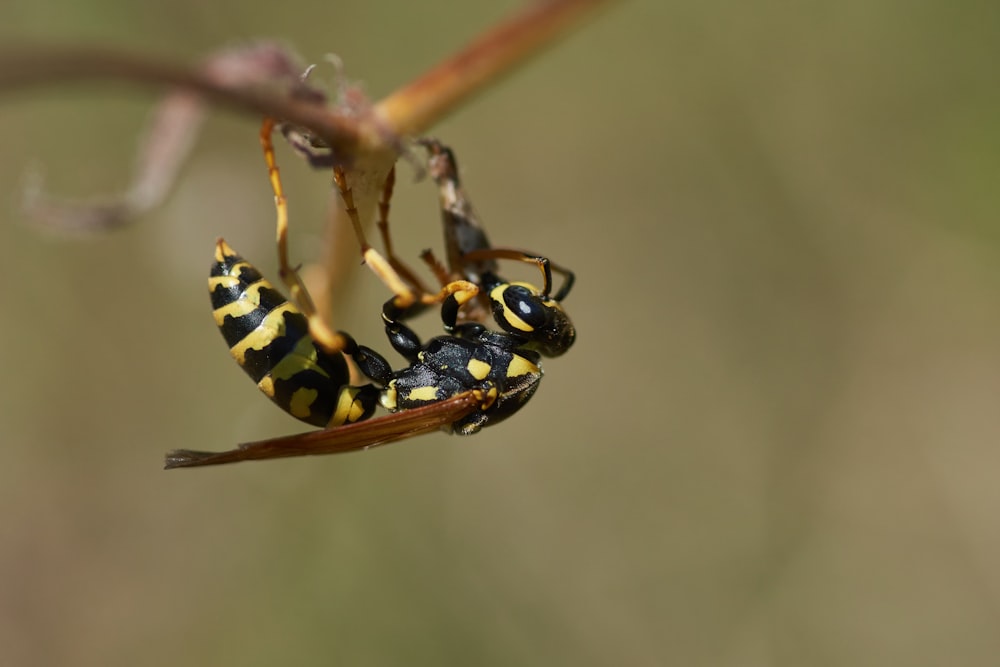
(522, 309)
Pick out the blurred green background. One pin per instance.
(775, 442)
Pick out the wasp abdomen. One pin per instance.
(270, 340)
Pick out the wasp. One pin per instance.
(460, 382)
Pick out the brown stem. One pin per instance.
(29, 65)
(416, 107)
(410, 110)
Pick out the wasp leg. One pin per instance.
(330, 340)
(289, 276)
(403, 339)
(439, 270)
(452, 297)
(543, 264)
(371, 363)
(404, 271)
(406, 296)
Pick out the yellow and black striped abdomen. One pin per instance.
(269, 338)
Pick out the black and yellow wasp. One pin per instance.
(459, 382)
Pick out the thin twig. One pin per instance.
(29, 66)
(416, 107)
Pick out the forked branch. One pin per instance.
(263, 80)
(412, 109)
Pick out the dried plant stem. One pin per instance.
(412, 109)
(30, 66)
(417, 106)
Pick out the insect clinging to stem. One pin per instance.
(459, 382)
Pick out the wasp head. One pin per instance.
(522, 310)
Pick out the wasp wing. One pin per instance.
(361, 435)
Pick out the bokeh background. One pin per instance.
(775, 442)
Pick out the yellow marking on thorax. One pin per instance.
(428, 393)
(388, 397)
(478, 369)
(489, 399)
(519, 366)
